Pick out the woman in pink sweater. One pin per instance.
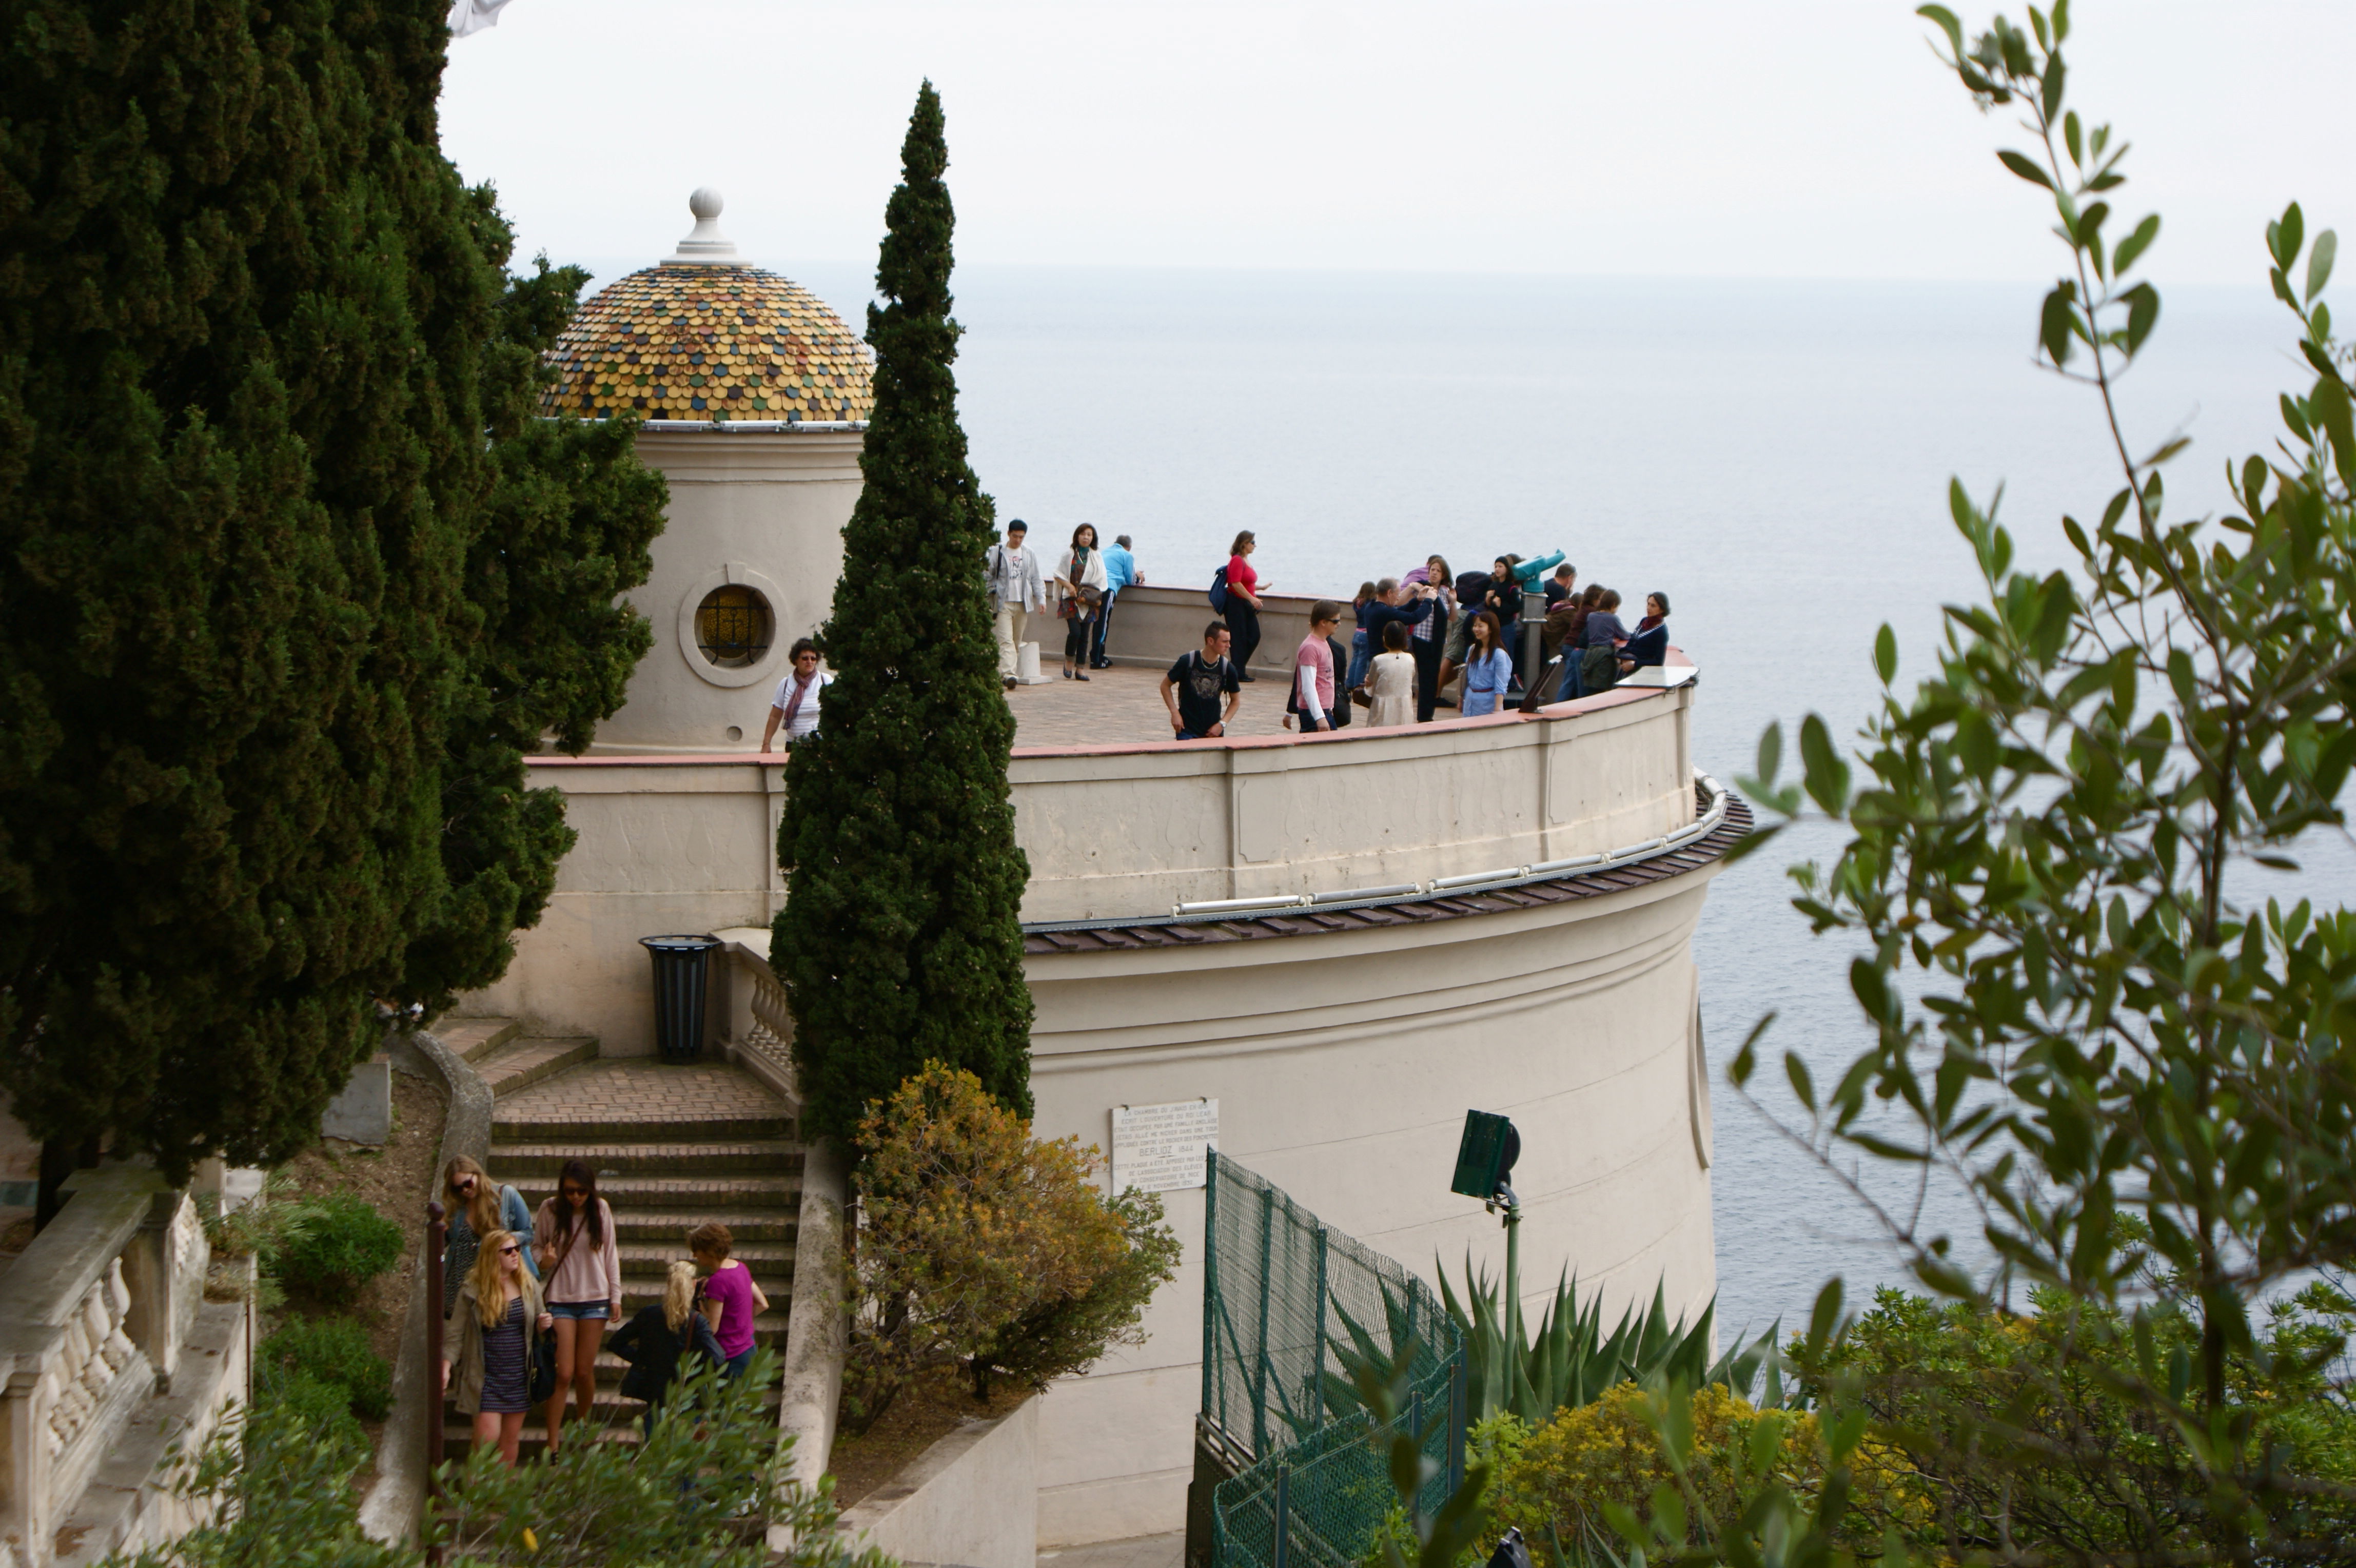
(581, 1275)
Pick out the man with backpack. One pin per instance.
(1194, 687)
(1017, 588)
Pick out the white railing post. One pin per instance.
(24, 1516)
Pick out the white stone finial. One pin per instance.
(705, 245)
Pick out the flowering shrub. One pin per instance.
(985, 1247)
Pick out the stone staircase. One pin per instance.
(674, 1146)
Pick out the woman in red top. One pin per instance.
(1244, 589)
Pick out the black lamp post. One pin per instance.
(1484, 1160)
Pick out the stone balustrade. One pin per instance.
(96, 1318)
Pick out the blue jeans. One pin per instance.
(733, 1368)
(1361, 655)
(581, 1310)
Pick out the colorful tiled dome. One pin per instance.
(696, 340)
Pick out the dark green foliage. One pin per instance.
(241, 314)
(337, 1243)
(682, 1496)
(550, 641)
(1940, 1380)
(284, 1497)
(324, 1406)
(688, 1495)
(330, 1350)
(252, 339)
(900, 940)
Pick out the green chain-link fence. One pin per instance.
(1288, 1305)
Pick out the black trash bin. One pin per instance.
(682, 980)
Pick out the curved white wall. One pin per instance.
(761, 508)
(1344, 1065)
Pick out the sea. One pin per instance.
(1773, 455)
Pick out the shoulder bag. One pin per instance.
(1219, 590)
(543, 1345)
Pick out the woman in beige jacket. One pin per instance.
(488, 1336)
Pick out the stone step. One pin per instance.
(763, 1258)
(779, 1193)
(667, 1225)
(523, 1128)
(518, 1161)
(475, 1039)
(525, 1060)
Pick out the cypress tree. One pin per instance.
(550, 642)
(244, 392)
(900, 942)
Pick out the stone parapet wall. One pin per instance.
(688, 842)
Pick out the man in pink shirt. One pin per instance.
(1312, 670)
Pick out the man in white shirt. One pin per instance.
(796, 704)
(1017, 587)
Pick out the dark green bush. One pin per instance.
(332, 1350)
(339, 1243)
(324, 1408)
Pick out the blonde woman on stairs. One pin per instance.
(488, 1336)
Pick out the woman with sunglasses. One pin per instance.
(476, 1209)
(488, 1335)
(581, 1264)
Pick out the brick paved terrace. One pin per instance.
(642, 1089)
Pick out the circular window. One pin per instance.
(734, 626)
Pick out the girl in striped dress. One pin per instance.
(488, 1337)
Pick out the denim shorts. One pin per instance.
(578, 1310)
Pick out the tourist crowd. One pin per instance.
(1414, 639)
(527, 1296)
(1415, 636)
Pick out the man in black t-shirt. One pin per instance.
(1194, 684)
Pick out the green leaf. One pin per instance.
(1947, 24)
(2285, 236)
(2071, 137)
(1826, 774)
(2330, 403)
(2059, 324)
(2143, 314)
(2135, 245)
(2054, 75)
(2318, 262)
(1802, 1083)
(1885, 653)
(2295, 419)
(1746, 1060)
(1770, 752)
(2024, 168)
(1824, 1318)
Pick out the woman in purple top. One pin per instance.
(731, 1299)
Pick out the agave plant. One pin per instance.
(1568, 1360)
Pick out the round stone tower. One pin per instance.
(754, 397)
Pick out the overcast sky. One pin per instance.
(1745, 138)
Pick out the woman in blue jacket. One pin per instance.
(476, 1209)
